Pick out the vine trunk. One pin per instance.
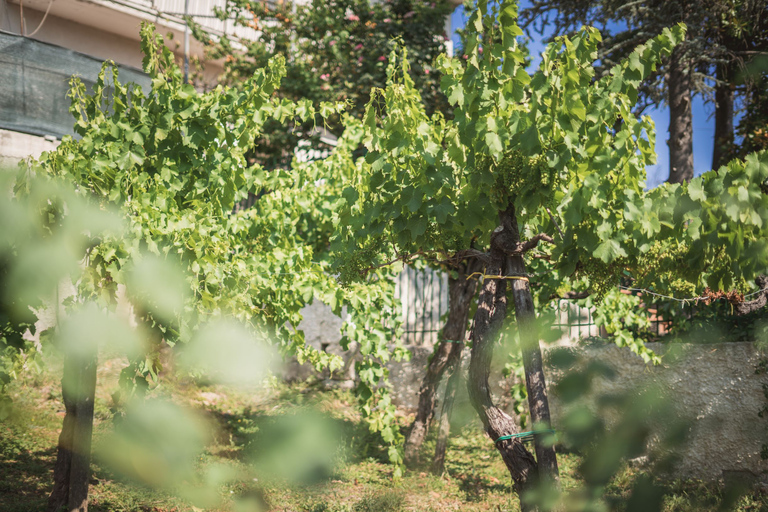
(448, 353)
(535, 383)
(506, 255)
(72, 472)
(489, 317)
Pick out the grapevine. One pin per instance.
(517, 175)
(601, 277)
(172, 162)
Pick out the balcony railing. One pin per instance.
(201, 11)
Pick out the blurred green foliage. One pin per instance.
(40, 245)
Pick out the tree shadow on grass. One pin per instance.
(26, 479)
(476, 486)
(240, 436)
(478, 468)
(27, 473)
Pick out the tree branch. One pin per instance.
(467, 254)
(506, 237)
(760, 302)
(533, 243)
(562, 236)
(405, 258)
(571, 295)
(453, 260)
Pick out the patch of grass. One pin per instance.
(324, 506)
(387, 501)
(475, 478)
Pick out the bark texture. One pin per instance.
(680, 118)
(491, 310)
(538, 402)
(760, 302)
(71, 473)
(724, 94)
(460, 294)
(525, 316)
(444, 429)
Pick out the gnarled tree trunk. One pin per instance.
(506, 254)
(680, 118)
(491, 309)
(538, 403)
(72, 473)
(460, 293)
(454, 374)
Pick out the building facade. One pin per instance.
(44, 42)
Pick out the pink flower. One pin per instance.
(360, 60)
(480, 49)
(332, 43)
(408, 14)
(426, 71)
(353, 17)
(359, 46)
(325, 76)
(387, 20)
(382, 58)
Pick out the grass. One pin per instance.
(359, 481)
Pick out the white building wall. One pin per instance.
(100, 32)
(15, 146)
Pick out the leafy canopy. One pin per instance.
(565, 149)
(173, 162)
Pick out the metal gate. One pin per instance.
(424, 297)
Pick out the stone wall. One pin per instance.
(715, 387)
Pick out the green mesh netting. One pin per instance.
(34, 79)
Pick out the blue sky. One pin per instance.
(703, 118)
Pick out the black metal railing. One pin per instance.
(423, 294)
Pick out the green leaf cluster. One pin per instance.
(173, 162)
(335, 51)
(565, 148)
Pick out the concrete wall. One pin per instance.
(15, 146)
(100, 29)
(322, 331)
